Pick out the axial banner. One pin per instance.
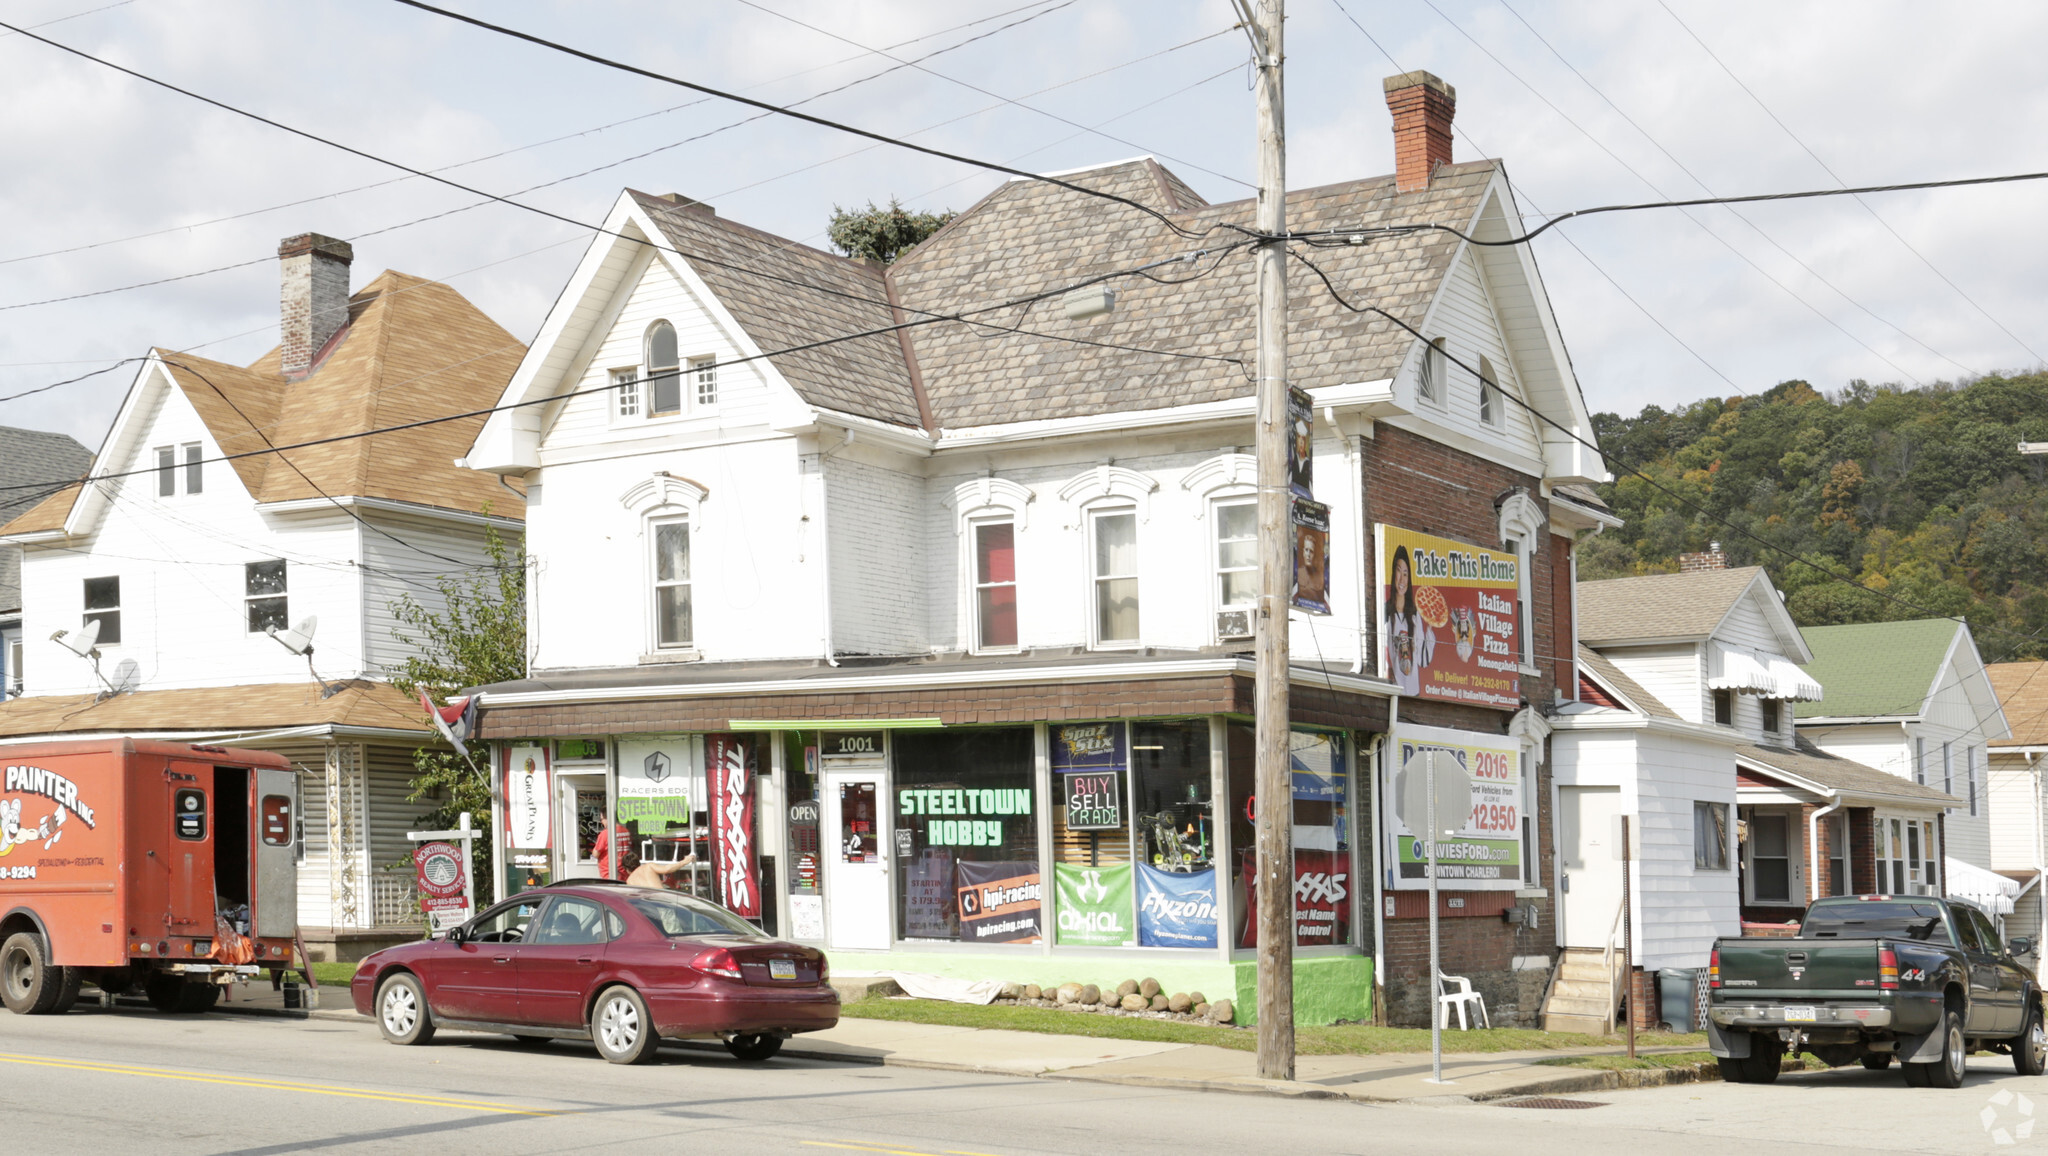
(1093, 904)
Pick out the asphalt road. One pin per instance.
(103, 1082)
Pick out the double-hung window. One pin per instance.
(995, 585)
(1770, 858)
(1237, 557)
(672, 585)
(195, 477)
(1489, 394)
(166, 471)
(1948, 768)
(626, 389)
(1710, 836)
(1116, 576)
(664, 371)
(1770, 708)
(263, 589)
(1431, 381)
(103, 605)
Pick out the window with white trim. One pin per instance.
(1920, 760)
(664, 371)
(263, 590)
(103, 605)
(1970, 764)
(995, 585)
(1770, 709)
(10, 678)
(1431, 378)
(1770, 857)
(1114, 537)
(626, 389)
(1524, 629)
(1948, 768)
(1237, 568)
(704, 375)
(194, 477)
(1710, 836)
(671, 584)
(166, 471)
(1489, 394)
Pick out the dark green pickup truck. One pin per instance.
(1872, 978)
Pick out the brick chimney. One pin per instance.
(1712, 559)
(314, 301)
(1423, 106)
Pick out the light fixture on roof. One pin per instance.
(1089, 302)
(299, 640)
(84, 643)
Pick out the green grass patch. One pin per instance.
(1334, 1040)
(1608, 1063)
(334, 974)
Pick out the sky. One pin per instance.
(133, 217)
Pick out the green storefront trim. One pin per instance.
(1326, 988)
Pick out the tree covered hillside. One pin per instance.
(1920, 493)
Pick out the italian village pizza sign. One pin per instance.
(1450, 618)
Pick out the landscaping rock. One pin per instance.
(1179, 1002)
(1009, 991)
(1159, 1003)
(1200, 1009)
(1198, 997)
(1067, 992)
(1126, 988)
(1090, 994)
(1148, 988)
(1222, 1012)
(1135, 1002)
(1033, 991)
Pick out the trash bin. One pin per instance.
(1674, 997)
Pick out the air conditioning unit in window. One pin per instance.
(1232, 625)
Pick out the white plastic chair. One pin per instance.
(1464, 996)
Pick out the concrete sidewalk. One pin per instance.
(1197, 1067)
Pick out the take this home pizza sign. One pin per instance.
(1450, 618)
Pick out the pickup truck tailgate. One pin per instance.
(1817, 967)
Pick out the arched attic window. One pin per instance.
(1490, 401)
(664, 371)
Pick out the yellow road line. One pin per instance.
(269, 1085)
(891, 1151)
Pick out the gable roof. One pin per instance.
(28, 456)
(413, 349)
(360, 703)
(1654, 607)
(1809, 765)
(1610, 677)
(1030, 235)
(1877, 669)
(2023, 694)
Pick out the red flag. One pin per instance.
(456, 721)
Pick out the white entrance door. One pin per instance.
(579, 824)
(856, 859)
(1588, 825)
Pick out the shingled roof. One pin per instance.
(413, 349)
(1659, 605)
(213, 709)
(1843, 776)
(28, 456)
(2023, 692)
(1028, 235)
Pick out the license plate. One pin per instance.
(1800, 1015)
(786, 969)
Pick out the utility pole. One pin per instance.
(1275, 783)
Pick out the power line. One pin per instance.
(785, 110)
(1628, 467)
(960, 317)
(1715, 57)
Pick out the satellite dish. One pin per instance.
(80, 643)
(299, 639)
(127, 676)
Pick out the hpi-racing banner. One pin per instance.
(732, 824)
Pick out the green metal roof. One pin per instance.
(1875, 668)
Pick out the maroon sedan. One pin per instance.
(625, 966)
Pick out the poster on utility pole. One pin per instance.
(1481, 847)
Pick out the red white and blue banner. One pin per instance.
(732, 824)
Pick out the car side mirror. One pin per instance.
(2020, 945)
(456, 934)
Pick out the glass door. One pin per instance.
(580, 813)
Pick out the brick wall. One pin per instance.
(1419, 484)
(1863, 850)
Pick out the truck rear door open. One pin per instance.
(275, 907)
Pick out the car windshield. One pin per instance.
(678, 915)
(1865, 920)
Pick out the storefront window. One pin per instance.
(1324, 879)
(966, 836)
(1132, 822)
(806, 874)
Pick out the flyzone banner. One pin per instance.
(732, 824)
(1450, 618)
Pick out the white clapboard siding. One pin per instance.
(1674, 674)
(1465, 318)
(409, 558)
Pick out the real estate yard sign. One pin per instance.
(1449, 618)
(1483, 848)
(1093, 904)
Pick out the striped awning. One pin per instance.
(1987, 889)
(1742, 669)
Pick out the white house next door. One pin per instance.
(1588, 824)
(856, 862)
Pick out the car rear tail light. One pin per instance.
(1714, 969)
(1887, 968)
(824, 968)
(717, 961)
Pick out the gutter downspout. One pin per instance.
(1379, 877)
(1813, 846)
(825, 540)
(2040, 852)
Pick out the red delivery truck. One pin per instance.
(143, 866)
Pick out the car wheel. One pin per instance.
(29, 985)
(1916, 1074)
(1766, 1060)
(1946, 1072)
(166, 993)
(754, 1048)
(2030, 1050)
(1878, 1061)
(1733, 1072)
(621, 1029)
(402, 1013)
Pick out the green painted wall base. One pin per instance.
(1326, 989)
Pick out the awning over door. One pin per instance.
(1987, 889)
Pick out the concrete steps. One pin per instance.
(1578, 1000)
